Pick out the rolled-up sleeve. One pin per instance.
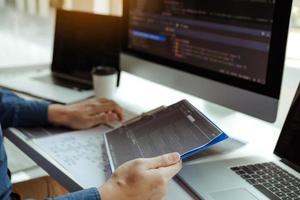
(17, 112)
(88, 194)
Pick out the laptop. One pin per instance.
(82, 41)
(252, 178)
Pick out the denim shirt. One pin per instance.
(17, 112)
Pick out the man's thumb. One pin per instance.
(162, 161)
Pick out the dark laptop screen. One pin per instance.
(288, 146)
(85, 40)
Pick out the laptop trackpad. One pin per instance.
(235, 194)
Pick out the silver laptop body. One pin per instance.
(38, 83)
(216, 180)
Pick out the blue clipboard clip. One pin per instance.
(220, 138)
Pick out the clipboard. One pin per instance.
(179, 127)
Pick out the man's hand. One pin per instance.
(142, 179)
(86, 114)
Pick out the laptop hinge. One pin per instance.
(70, 78)
(291, 165)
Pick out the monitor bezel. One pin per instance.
(280, 29)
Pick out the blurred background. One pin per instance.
(44, 7)
(30, 24)
(296, 14)
(26, 38)
(27, 27)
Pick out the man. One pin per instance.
(135, 180)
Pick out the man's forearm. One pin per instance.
(15, 111)
(88, 194)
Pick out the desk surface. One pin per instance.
(139, 95)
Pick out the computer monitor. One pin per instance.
(230, 52)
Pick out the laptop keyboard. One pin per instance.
(273, 181)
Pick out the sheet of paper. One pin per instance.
(82, 153)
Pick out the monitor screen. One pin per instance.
(288, 144)
(230, 41)
(83, 41)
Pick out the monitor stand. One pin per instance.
(218, 112)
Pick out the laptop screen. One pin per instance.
(83, 41)
(288, 146)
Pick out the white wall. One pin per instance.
(2, 3)
(44, 8)
(67, 4)
(31, 7)
(102, 6)
(117, 7)
(21, 4)
(97, 6)
(83, 5)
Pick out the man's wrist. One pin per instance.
(58, 114)
(108, 191)
(104, 191)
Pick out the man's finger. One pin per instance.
(170, 171)
(162, 161)
(112, 106)
(99, 119)
(111, 117)
(117, 109)
(103, 100)
(106, 107)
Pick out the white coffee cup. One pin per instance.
(105, 81)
